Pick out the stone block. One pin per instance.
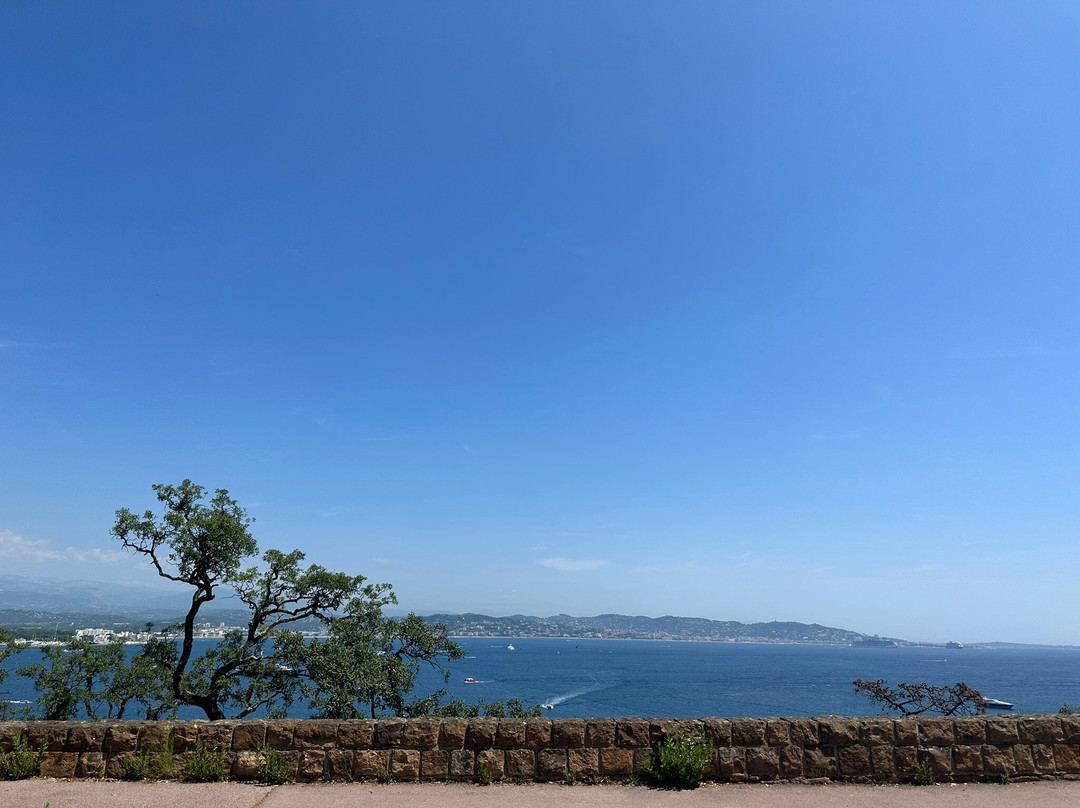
(120, 738)
(970, 731)
(91, 764)
(791, 761)
(585, 762)
(878, 732)
(421, 733)
(839, 731)
(967, 760)
(936, 732)
(279, 734)
(371, 764)
(312, 765)
(404, 764)
(480, 734)
(940, 758)
(462, 763)
(853, 761)
(1070, 725)
(217, 733)
(521, 763)
(1041, 729)
(819, 762)
(641, 760)
(315, 735)
(777, 733)
(53, 733)
(59, 764)
(10, 732)
(600, 733)
(717, 731)
(551, 764)
(434, 764)
(538, 733)
(1002, 730)
(730, 761)
(114, 765)
(356, 734)
(340, 764)
(804, 731)
(510, 734)
(494, 760)
(249, 735)
(762, 761)
(452, 733)
(1067, 757)
(568, 733)
(747, 732)
(245, 765)
(389, 734)
(616, 762)
(85, 738)
(1043, 758)
(631, 733)
(998, 759)
(881, 760)
(906, 760)
(156, 736)
(907, 732)
(1024, 759)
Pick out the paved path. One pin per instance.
(109, 794)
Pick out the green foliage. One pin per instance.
(159, 764)
(21, 761)
(679, 761)
(1067, 709)
(457, 708)
(136, 767)
(570, 777)
(8, 646)
(274, 767)
(1006, 778)
(924, 773)
(484, 775)
(204, 763)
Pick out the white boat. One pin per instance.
(548, 706)
(509, 648)
(995, 704)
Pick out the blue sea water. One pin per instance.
(632, 678)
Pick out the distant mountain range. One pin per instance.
(621, 626)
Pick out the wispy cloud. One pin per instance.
(17, 548)
(570, 564)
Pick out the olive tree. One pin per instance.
(8, 646)
(916, 698)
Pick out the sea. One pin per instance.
(589, 678)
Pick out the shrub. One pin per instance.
(274, 767)
(570, 777)
(484, 775)
(136, 766)
(204, 763)
(160, 763)
(1067, 709)
(680, 762)
(924, 773)
(22, 761)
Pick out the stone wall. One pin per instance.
(854, 749)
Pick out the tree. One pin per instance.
(8, 646)
(204, 545)
(917, 698)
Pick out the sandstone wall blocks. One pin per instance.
(551, 764)
(404, 764)
(883, 763)
(538, 733)
(1002, 730)
(1070, 725)
(631, 732)
(906, 731)
(462, 764)
(642, 758)
(747, 732)
(434, 764)
(91, 764)
(389, 734)
(521, 764)
(616, 762)
(777, 732)
(120, 738)
(1023, 757)
(246, 735)
(730, 761)
(905, 760)
(452, 733)
(354, 734)
(717, 731)
(318, 734)
(936, 732)
(804, 731)
(480, 733)
(970, 731)
(967, 760)
(81, 738)
(1043, 758)
(114, 765)
(583, 762)
(839, 731)
(940, 758)
(878, 732)
(59, 764)
(820, 761)
(371, 764)
(1067, 757)
(245, 765)
(763, 762)
(494, 762)
(998, 759)
(1041, 729)
(53, 733)
(279, 734)
(11, 731)
(339, 764)
(510, 733)
(853, 761)
(600, 732)
(217, 733)
(567, 733)
(791, 761)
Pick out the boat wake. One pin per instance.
(552, 703)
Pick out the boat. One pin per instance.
(470, 681)
(548, 706)
(995, 704)
(509, 648)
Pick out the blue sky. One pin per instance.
(732, 309)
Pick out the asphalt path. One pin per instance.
(111, 794)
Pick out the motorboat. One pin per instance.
(509, 648)
(470, 681)
(995, 704)
(548, 706)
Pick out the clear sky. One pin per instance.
(741, 310)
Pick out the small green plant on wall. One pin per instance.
(21, 761)
(204, 762)
(924, 773)
(679, 761)
(274, 766)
